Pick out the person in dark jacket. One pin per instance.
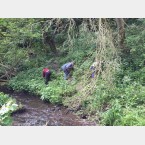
(46, 74)
(67, 69)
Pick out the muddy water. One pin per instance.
(39, 113)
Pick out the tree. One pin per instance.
(121, 33)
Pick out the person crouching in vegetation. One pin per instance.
(94, 68)
(46, 75)
(67, 69)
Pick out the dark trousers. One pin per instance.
(47, 77)
(66, 74)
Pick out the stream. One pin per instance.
(40, 113)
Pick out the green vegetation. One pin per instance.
(33, 82)
(116, 96)
(7, 106)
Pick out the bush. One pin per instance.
(32, 82)
(8, 105)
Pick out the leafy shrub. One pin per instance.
(8, 105)
(32, 81)
(113, 115)
(133, 116)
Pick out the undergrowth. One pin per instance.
(7, 106)
(118, 103)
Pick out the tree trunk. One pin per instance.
(78, 22)
(121, 33)
(49, 40)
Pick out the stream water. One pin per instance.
(39, 113)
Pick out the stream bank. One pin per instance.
(36, 112)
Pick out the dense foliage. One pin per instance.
(7, 106)
(115, 97)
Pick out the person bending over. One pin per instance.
(67, 69)
(46, 75)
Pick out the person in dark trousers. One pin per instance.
(67, 69)
(46, 74)
(93, 69)
(97, 64)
